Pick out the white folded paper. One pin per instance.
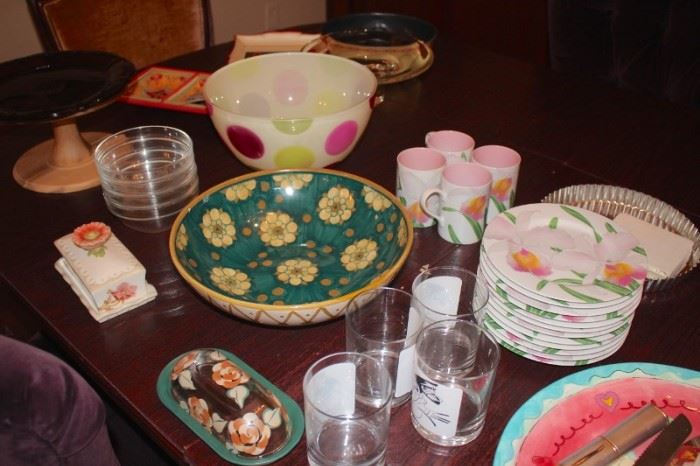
(278, 41)
(667, 252)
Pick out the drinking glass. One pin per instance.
(347, 406)
(446, 292)
(382, 323)
(455, 365)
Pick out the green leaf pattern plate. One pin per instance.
(564, 283)
(565, 255)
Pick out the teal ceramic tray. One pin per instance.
(241, 415)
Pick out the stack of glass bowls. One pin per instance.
(148, 174)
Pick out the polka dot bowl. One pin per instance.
(291, 110)
(290, 247)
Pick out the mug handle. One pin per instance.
(317, 45)
(427, 138)
(424, 202)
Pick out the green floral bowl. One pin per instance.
(290, 247)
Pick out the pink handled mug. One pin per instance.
(463, 197)
(454, 145)
(503, 163)
(418, 169)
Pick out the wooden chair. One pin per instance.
(144, 32)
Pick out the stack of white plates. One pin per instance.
(564, 283)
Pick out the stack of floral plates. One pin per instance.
(565, 283)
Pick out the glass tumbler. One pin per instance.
(446, 292)
(347, 406)
(455, 366)
(382, 323)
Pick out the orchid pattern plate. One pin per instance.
(547, 322)
(565, 254)
(571, 412)
(522, 322)
(513, 345)
(518, 293)
(589, 347)
(547, 354)
(560, 339)
(598, 316)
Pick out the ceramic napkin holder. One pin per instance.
(106, 276)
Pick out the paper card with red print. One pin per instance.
(565, 255)
(168, 88)
(573, 411)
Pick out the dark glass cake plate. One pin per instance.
(57, 87)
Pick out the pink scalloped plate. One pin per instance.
(575, 421)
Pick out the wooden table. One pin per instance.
(569, 131)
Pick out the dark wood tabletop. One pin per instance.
(568, 130)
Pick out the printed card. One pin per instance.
(168, 88)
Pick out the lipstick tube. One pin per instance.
(620, 439)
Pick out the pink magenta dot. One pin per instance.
(290, 87)
(245, 141)
(341, 137)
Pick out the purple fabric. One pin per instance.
(49, 415)
(646, 45)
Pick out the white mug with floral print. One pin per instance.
(419, 168)
(456, 146)
(462, 196)
(504, 164)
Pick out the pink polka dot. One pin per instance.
(253, 104)
(341, 137)
(245, 141)
(290, 87)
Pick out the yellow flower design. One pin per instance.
(336, 206)
(359, 255)
(296, 272)
(218, 228)
(181, 239)
(402, 234)
(230, 280)
(623, 273)
(240, 191)
(293, 180)
(278, 229)
(523, 260)
(501, 188)
(474, 208)
(375, 200)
